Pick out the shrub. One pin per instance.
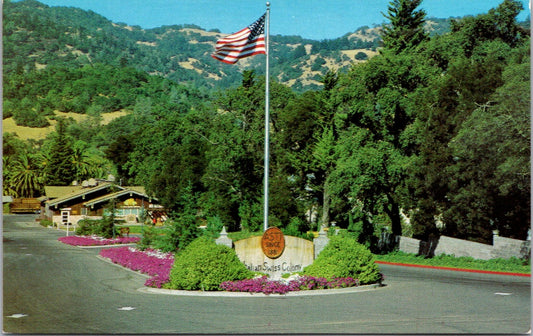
(361, 56)
(87, 227)
(166, 239)
(147, 239)
(214, 226)
(30, 118)
(205, 265)
(238, 235)
(107, 228)
(345, 257)
(249, 213)
(46, 222)
(298, 228)
(100, 227)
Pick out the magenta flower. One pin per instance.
(262, 285)
(158, 264)
(151, 262)
(96, 241)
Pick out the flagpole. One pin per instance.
(267, 117)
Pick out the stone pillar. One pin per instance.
(321, 241)
(224, 239)
(495, 235)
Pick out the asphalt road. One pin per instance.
(51, 288)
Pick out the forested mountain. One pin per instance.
(47, 47)
(429, 136)
(36, 36)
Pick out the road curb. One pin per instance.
(103, 246)
(454, 269)
(107, 260)
(161, 291)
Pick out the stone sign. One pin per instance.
(273, 242)
(296, 254)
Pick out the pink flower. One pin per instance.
(262, 285)
(149, 262)
(96, 241)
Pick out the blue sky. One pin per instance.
(315, 19)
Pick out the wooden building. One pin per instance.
(65, 205)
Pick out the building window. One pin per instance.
(124, 211)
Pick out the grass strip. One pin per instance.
(512, 265)
(138, 229)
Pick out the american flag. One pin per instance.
(246, 42)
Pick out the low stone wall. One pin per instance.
(508, 247)
(502, 247)
(463, 248)
(409, 245)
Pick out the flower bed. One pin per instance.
(263, 285)
(158, 265)
(96, 241)
(151, 262)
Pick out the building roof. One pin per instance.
(60, 194)
(75, 192)
(52, 192)
(115, 195)
(139, 189)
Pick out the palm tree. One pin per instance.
(25, 178)
(87, 165)
(42, 160)
(6, 178)
(81, 163)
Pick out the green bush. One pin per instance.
(345, 257)
(148, 236)
(87, 227)
(107, 228)
(298, 228)
(238, 235)
(46, 222)
(204, 265)
(176, 233)
(214, 226)
(100, 227)
(30, 118)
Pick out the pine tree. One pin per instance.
(406, 27)
(60, 170)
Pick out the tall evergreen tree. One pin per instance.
(406, 27)
(61, 170)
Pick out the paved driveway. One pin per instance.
(50, 287)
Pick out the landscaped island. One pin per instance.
(204, 265)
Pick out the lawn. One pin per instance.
(137, 229)
(512, 265)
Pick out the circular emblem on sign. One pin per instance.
(273, 242)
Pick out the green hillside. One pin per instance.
(420, 128)
(37, 36)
